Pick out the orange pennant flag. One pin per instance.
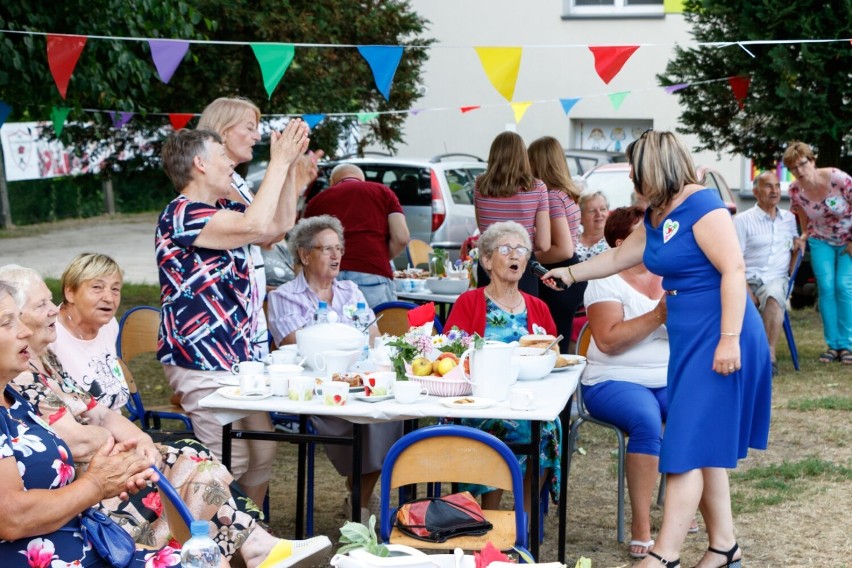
(63, 51)
(610, 59)
(501, 64)
(468, 109)
(739, 86)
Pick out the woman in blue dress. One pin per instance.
(719, 375)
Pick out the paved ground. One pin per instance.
(128, 239)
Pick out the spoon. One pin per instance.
(302, 362)
(367, 327)
(552, 343)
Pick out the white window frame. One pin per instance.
(618, 9)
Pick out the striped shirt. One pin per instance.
(521, 207)
(561, 205)
(766, 243)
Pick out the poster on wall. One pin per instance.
(611, 135)
(28, 154)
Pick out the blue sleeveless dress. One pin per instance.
(713, 419)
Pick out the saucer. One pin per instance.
(234, 394)
(366, 398)
(471, 402)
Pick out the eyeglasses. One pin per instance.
(506, 249)
(327, 250)
(800, 165)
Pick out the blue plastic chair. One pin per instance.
(788, 328)
(444, 453)
(137, 334)
(177, 513)
(395, 320)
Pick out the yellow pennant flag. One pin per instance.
(501, 64)
(519, 109)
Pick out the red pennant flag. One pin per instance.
(739, 86)
(468, 108)
(63, 51)
(609, 60)
(179, 119)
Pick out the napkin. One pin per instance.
(421, 315)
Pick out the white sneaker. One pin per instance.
(304, 553)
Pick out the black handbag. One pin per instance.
(439, 518)
(111, 541)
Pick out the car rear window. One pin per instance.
(411, 185)
(461, 182)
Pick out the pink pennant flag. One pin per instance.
(739, 86)
(610, 59)
(467, 109)
(63, 52)
(179, 119)
(119, 119)
(167, 55)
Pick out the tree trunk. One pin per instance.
(109, 198)
(5, 209)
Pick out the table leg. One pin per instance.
(226, 446)
(301, 475)
(535, 493)
(357, 435)
(565, 418)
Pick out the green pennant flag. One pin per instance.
(58, 116)
(617, 98)
(274, 59)
(365, 117)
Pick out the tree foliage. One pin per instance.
(798, 91)
(120, 75)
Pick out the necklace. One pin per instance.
(73, 328)
(504, 305)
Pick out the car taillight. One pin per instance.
(439, 208)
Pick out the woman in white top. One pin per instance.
(624, 382)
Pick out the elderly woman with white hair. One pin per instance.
(501, 311)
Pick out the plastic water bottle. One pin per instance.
(361, 320)
(200, 551)
(321, 315)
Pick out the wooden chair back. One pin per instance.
(138, 332)
(419, 252)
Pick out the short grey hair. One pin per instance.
(21, 276)
(301, 237)
(10, 289)
(589, 195)
(488, 240)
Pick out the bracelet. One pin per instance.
(729, 334)
(571, 274)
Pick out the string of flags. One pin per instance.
(501, 65)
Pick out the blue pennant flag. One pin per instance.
(383, 60)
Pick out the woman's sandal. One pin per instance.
(845, 356)
(663, 561)
(729, 556)
(640, 544)
(829, 356)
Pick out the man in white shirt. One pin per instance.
(768, 236)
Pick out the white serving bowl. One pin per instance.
(328, 337)
(532, 365)
(447, 285)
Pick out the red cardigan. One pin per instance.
(468, 313)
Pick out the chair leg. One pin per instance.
(621, 476)
(661, 494)
(309, 516)
(791, 342)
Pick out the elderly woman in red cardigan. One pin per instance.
(501, 312)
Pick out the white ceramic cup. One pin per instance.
(280, 384)
(379, 384)
(331, 362)
(288, 369)
(301, 388)
(248, 368)
(252, 384)
(520, 398)
(282, 357)
(335, 393)
(408, 392)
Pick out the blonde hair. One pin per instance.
(87, 266)
(796, 150)
(226, 112)
(508, 167)
(547, 162)
(662, 166)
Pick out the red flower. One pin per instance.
(152, 501)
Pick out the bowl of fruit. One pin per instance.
(441, 377)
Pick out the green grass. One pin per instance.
(824, 403)
(760, 487)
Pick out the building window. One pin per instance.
(612, 8)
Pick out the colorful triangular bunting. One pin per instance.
(739, 86)
(167, 55)
(119, 119)
(617, 98)
(466, 109)
(519, 109)
(5, 110)
(383, 61)
(671, 89)
(58, 115)
(63, 52)
(274, 59)
(568, 104)
(179, 119)
(501, 65)
(610, 59)
(312, 119)
(365, 117)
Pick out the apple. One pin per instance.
(446, 365)
(421, 367)
(448, 355)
